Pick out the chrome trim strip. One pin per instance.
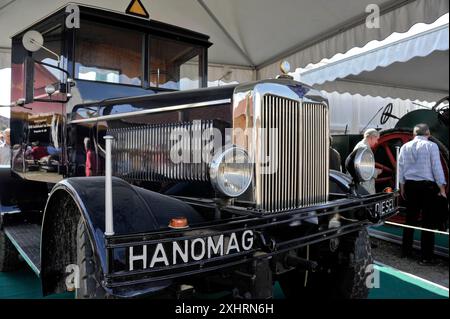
(151, 111)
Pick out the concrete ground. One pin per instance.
(389, 254)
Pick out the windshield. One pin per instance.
(108, 54)
(115, 55)
(173, 64)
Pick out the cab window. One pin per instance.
(43, 74)
(174, 64)
(108, 54)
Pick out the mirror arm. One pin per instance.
(52, 66)
(48, 50)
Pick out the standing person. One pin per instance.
(369, 141)
(335, 158)
(91, 161)
(5, 148)
(421, 181)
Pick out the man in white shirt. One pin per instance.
(422, 179)
(5, 148)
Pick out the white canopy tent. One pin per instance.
(414, 67)
(256, 34)
(251, 37)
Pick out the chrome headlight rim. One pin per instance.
(214, 167)
(360, 157)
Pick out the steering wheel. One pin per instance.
(387, 113)
(442, 108)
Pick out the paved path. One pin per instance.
(389, 254)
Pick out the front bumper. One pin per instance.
(267, 242)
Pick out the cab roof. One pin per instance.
(119, 19)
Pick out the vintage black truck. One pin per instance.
(129, 177)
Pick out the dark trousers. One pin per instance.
(420, 198)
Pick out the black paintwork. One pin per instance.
(135, 210)
(275, 234)
(18, 195)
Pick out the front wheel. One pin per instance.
(89, 287)
(346, 276)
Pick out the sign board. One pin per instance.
(136, 8)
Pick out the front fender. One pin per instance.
(135, 210)
(341, 183)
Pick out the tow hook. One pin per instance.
(268, 242)
(373, 216)
(295, 261)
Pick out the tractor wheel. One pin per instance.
(385, 155)
(344, 278)
(89, 287)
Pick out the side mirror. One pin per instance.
(33, 41)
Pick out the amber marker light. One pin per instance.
(388, 190)
(179, 223)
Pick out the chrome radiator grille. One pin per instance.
(144, 152)
(299, 151)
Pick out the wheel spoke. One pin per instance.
(390, 155)
(405, 139)
(383, 179)
(384, 168)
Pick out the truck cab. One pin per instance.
(110, 55)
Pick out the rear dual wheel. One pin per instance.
(9, 257)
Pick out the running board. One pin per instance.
(438, 250)
(27, 239)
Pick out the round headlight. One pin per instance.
(364, 164)
(231, 172)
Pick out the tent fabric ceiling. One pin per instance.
(5, 58)
(421, 78)
(418, 63)
(403, 50)
(258, 33)
(428, 73)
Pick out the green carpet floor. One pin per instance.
(394, 284)
(439, 239)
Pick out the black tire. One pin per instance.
(358, 266)
(344, 278)
(9, 256)
(89, 287)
